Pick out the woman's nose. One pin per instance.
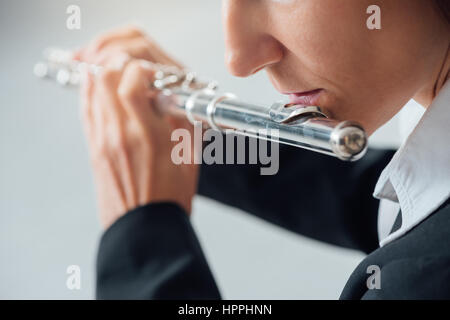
(249, 47)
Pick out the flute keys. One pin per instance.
(284, 113)
(63, 77)
(213, 85)
(40, 70)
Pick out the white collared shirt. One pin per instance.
(417, 180)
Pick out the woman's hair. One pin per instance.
(444, 8)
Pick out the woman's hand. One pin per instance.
(130, 139)
(128, 39)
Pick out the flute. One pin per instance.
(300, 126)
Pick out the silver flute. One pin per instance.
(295, 125)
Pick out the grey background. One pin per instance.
(47, 207)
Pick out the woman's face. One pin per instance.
(323, 51)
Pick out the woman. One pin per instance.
(319, 52)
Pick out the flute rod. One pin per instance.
(299, 126)
(311, 130)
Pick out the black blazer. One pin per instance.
(152, 252)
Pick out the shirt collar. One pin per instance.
(418, 176)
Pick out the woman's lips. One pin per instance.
(309, 98)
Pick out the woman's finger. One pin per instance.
(162, 57)
(140, 48)
(107, 83)
(86, 92)
(125, 32)
(112, 129)
(135, 94)
(101, 42)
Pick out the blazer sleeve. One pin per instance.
(420, 278)
(152, 252)
(312, 194)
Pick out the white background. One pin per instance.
(47, 206)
